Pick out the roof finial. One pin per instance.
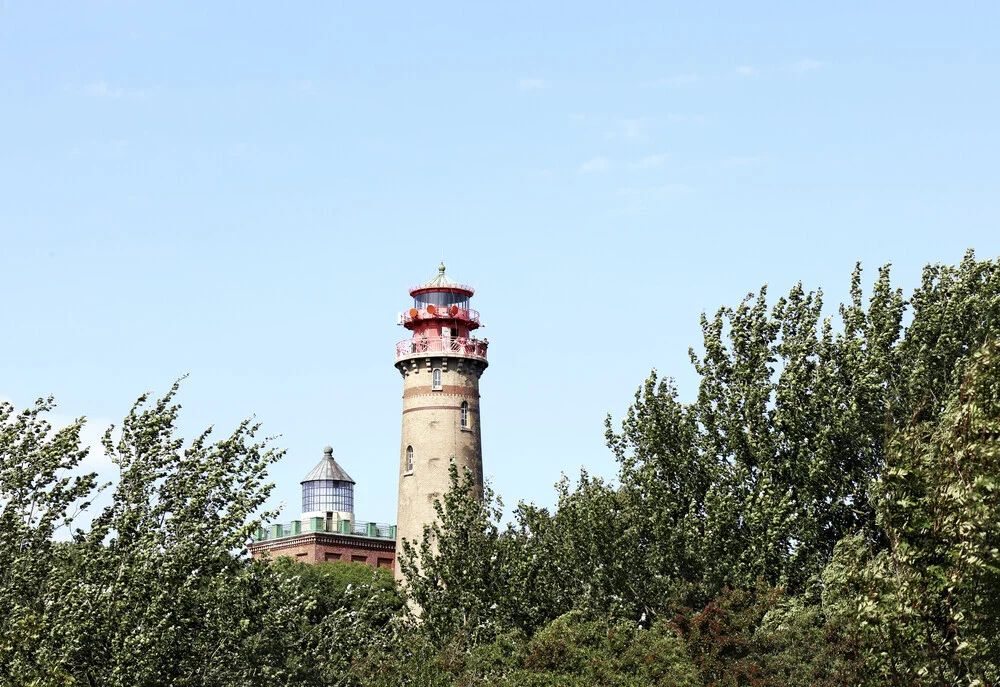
(328, 451)
(441, 267)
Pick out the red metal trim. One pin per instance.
(466, 315)
(423, 288)
(455, 345)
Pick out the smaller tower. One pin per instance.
(327, 530)
(328, 492)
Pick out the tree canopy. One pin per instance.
(825, 510)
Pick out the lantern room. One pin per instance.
(328, 491)
(441, 319)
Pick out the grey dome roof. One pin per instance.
(328, 469)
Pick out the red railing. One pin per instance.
(459, 345)
(442, 312)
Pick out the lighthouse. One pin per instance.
(441, 364)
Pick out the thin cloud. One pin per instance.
(534, 83)
(803, 66)
(101, 89)
(656, 191)
(647, 162)
(742, 161)
(307, 86)
(577, 117)
(629, 128)
(637, 200)
(683, 118)
(596, 164)
(101, 149)
(633, 127)
(747, 70)
(677, 80)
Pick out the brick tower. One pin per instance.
(441, 365)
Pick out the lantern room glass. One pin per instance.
(441, 299)
(327, 495)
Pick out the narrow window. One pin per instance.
(436, 382)
(409, 459)
(465, 414)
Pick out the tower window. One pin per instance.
(409, 459)
(436, 380)
(465, 414)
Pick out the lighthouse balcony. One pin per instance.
(451, 345)
(432, 312)
(298, 528)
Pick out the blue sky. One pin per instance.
(244, 192)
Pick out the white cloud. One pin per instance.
(307, 86)
(633, 127)
(803, 66)
(647, 162)
(678, 80)
(747, 70)
(636, 200)
(101, 89)
(629, 128)
(742, 161)
(101, 149)
(596, 164)
(685, 118)
(656, 191)
(533, 83)
(577, 117)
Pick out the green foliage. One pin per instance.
(160, 589)
(574, 651)
(155, 573)
(927, 605)
(336, 584)
(773, 464)
(36, 497)
(573, 559)
(762, 637)
(455, 574)
(825, 512)
(779, 462)
(570, 650)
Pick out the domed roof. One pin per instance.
(442, 282)
(328, 469)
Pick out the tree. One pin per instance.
(454, 575)
(36, 498)
(927, 605)
(160, 589)
(774, 462)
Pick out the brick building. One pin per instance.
(327, 530)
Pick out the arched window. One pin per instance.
(465, 414)
(436, 380)
(409, 459)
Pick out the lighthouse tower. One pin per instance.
(441, 365)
